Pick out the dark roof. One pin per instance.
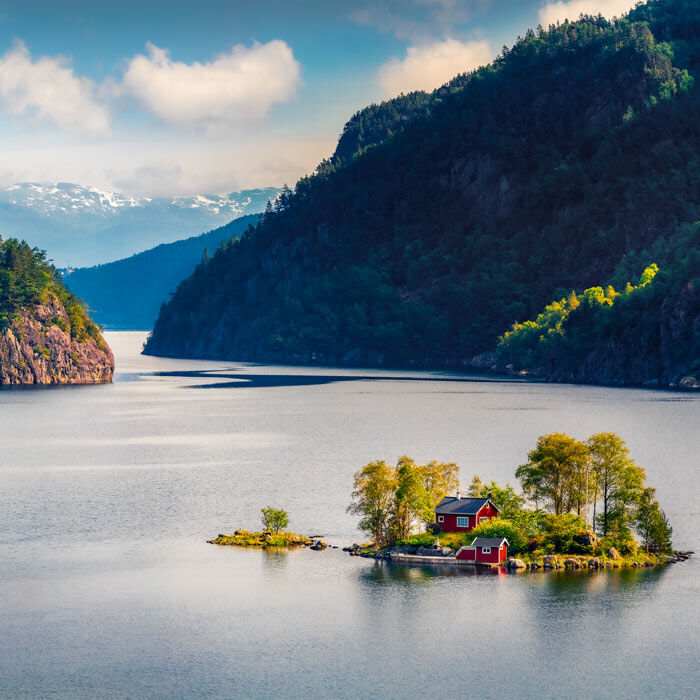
(488, 541)
(461, 506)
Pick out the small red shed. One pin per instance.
(485, 550)
(457, 514)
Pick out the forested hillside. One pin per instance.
(569, 162)
(46, 337)
(127, 294)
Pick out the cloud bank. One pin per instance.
(237, 86)
(427, 67)
(48, 89)
(554, 12)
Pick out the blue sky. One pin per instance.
(176, 97)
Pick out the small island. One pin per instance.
(272, 536)
(46, 336)
(583, 506)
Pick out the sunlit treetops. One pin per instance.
(526, 341)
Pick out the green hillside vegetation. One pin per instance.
(28, 280)
(127, 293)
(442, 219)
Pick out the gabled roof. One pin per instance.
(450, 505)
(489, 541)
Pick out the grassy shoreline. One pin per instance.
(264, 539)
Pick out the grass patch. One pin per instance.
(265, 539)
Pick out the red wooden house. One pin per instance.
(485, 550)
(457, 514)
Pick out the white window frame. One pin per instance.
(441, 518)
(486, 550)
(462, 518)
(481, 520)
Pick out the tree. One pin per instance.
(617, 479)
(552, 474)
(439, 479)
(373, 499)
(411, 499)
(274, 519)
(652, 524)
(506, 499)
(500, 527)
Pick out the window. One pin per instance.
(463, 522)
(441, 518)
(486, 550)
(481, 520)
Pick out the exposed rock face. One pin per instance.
(37, 348)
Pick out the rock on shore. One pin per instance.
(38, 347)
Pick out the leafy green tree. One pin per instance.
(500, 527)
(552, 475)
(618, 481)
(509, 502)
(411, 499)
(373, 499)
(274, 519)
(439, 479)
(652, 525)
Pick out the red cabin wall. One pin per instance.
(467, 554)
(496, 556)
(449, 523)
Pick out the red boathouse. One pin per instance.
(457, 514)
(485, 550)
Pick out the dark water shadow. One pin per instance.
(238, 380)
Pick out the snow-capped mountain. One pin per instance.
(80, 225)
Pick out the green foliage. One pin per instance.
(509, 502)
(443, 218)
(617, 480)
(652, 524)
(27, 279)
(500, 527)
(555, 473)
(274, 519)
(393, 499)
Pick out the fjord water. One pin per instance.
(108, 493)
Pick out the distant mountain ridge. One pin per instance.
(81, 225)
(127, 294)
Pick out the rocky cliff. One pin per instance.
(37, 348)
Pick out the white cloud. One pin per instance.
(237, 86)
(554, 12)
(49, 89)
(428, 67)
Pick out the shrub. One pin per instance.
(499, 527)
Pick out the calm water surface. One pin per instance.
(108, 493)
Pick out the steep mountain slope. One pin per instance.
(45, 335)
(127, 294)
(561, 165)
(79, 225)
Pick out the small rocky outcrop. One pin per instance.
(40, 345)
(514, 563)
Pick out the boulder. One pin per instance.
(689, 383)
(319, 545)
(613, 553)
(549, 562)
(514, 563)
(586, 538)
(594, 563)
(571, 563)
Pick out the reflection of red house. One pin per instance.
(485, 550)
(456, 514)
